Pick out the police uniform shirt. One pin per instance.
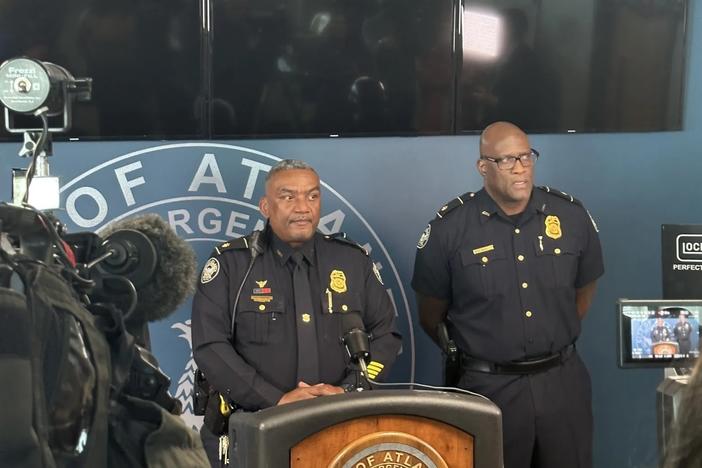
(682, 331)
(510, 281)
(262, 364)
(661, 333)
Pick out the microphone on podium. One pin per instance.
(356, 341)
(357, 344)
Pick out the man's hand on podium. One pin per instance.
(305, 392)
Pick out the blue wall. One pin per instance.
(631, 183)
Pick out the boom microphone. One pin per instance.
(161, 265)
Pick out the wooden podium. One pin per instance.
(374, 429)
(665, 348)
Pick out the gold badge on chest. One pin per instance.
(553, 227)
(337, 281)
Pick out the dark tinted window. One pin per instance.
(143, 56)
(606, 65)
(358, 67)
(325, 67)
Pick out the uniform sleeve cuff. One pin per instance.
(270, 397)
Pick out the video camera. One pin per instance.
(68, 320)
(82, 388)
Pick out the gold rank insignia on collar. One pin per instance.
(306, 318)
(553, 227)
(337, 281)
(233, 244)
(455, 203)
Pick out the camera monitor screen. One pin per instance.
(658, 333)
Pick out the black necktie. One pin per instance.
(307, 355)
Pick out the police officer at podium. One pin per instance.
(660, 332)
(289, 310)
(511, 270)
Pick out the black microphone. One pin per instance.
(142, 267)
(357, 343)
(162, 266)
(355, 339)
(127, 253)
(256, 244)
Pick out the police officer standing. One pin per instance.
(511, 269)
(289, 310)
(683, 332)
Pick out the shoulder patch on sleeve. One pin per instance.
(233, 244)
(424, 238)
(560, 194)
(210, 270)
(341, 237)
(376, 270)
(453, 204)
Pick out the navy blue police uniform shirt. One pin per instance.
(261, 364)
(510, 281)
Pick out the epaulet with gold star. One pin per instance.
(341, 237)
(453, 204)
(233, 244)
(560, 194)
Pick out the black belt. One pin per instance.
(530, 366)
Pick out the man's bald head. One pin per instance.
(509, 188)
(496, 133)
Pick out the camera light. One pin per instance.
(43, 192)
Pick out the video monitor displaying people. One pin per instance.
(662, 333)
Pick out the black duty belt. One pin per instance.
(529, 366)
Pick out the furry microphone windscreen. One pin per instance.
(176, 270)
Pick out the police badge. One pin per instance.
(553, 227)
(337, 281)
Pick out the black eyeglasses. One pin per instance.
(507, 162)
